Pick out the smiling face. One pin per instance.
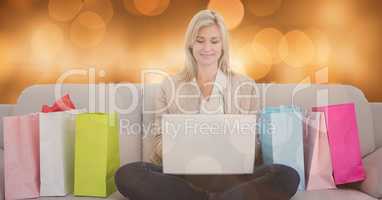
(207, 47)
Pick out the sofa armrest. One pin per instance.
(5, 110)
(376, 110)
(373, 168)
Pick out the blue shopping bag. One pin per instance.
(282, 138)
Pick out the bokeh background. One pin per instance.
(280, 41)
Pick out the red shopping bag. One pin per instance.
(64, 103)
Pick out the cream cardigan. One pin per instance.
(179, 97)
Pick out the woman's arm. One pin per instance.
(161, 103)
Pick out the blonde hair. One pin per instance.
(202, 19)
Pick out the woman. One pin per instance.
(206, 85)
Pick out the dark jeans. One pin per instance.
(146, 181)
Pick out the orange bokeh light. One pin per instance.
(64, 10)
(291, 75)
(129, 6)
(263, 8)
(267, 40)
(5, 58)
(104, 8)
(296, 49)
(4, 49)
(250, 64)
(151, 7)
(231, 10)
(22, 5)
(46, 42)
(237, 66)
(322, 46)
(87, 30)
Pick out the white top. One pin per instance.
(215, 102)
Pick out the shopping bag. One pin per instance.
(318, 163)
(343, 142)
(57, 152)
(62, 104)
(96, 154)
(282, 138)
(21, 156)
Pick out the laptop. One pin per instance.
(208, 144)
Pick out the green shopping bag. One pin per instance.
(96, 154)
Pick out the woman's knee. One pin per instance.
(125, 169)
(290, 173)
(136, 170)
(121, 175)
(129, 173)
(128, 178)
(287, 176)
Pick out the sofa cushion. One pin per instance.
(373, 167)
(336, 194)
(311, 195)
(309, 95)
(128, 103)
(122, 98)
(114, 196)
(376, 109)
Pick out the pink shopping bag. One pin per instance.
(21, 156)
(344, 142)
(318, 163)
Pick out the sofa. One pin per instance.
(135, 103)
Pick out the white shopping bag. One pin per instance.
(57, 152)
